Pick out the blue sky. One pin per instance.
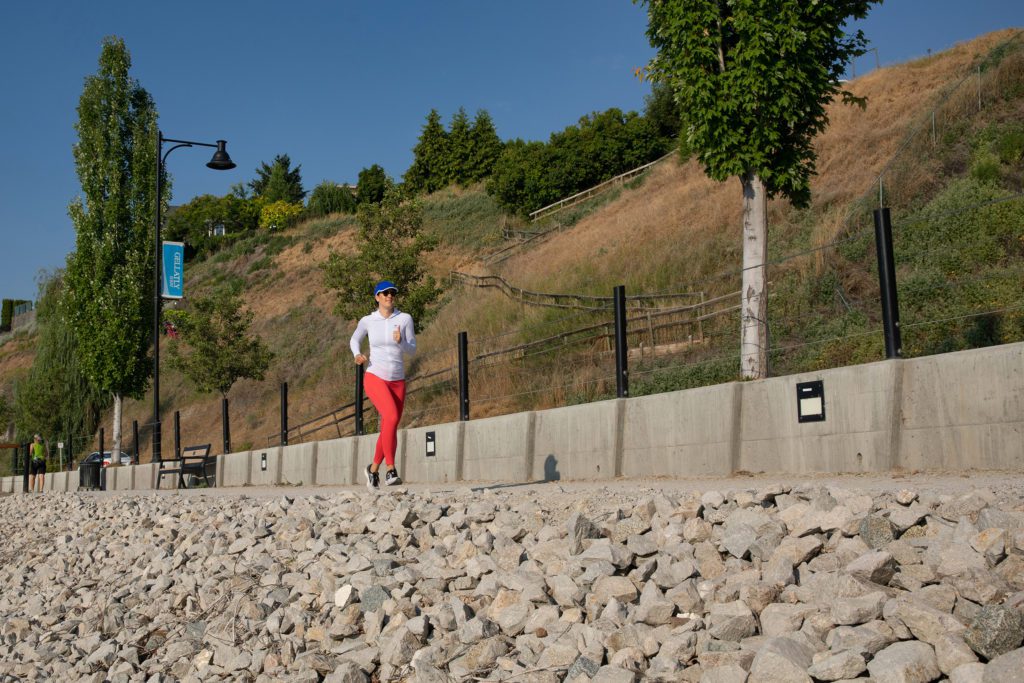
(337, 85)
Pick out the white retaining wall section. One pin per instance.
(960, 410)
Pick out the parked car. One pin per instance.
(126, 457)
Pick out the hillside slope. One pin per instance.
(673, 231)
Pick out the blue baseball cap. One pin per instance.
(383, 286)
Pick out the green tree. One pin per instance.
(279, 215)
(109, 276)
(662, 112)
(372, 184)
(390, 245)
(55, 398)
(278, 181)
(485, 147)
(193, 223)
(214, 349)
(329, 197)
(428, 171)
(752, 80)
(458, 161)
(6, 416)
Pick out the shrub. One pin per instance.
(328, 197)
(279, 215)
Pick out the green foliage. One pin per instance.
(390, 246)
(7, 315)
(752, 84)
(55, 398)
(485, 148)
(372, 184)
(662, 112)
(457, 162)
(110, 274)
(6, 413)
(194, 222)
(214, 349)
(678, 377)
(464, 154)
(328, 197)
(278, 181)
(279, 215)
(429, 169)
(529, 175)
(467, 219)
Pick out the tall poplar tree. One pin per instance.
(109, 276)
(752, 79)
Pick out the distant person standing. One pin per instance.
(37, 464)
(391, 336)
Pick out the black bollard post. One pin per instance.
(463, 376)
(284, 413)
(360, 371)
(135, 441)
(177, 435)
(887, 284)
(226, 422)
(28, 455)
(621, 351)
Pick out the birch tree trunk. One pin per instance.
(754, 292)
(115, 448)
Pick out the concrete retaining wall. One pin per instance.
(298, 464)
(233, 469)
(953, 411)
(856, 436)
(499, 448)
(336, 462)
(265, 466)
(964, 409)
(683, 433)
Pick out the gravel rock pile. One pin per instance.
(803, 583)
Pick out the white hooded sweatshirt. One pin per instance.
(386, 355)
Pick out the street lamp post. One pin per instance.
(220, 162)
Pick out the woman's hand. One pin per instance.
(360, 359)
(396, 334)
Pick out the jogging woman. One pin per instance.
(391, 335)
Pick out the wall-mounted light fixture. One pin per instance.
(431, 445)
(263, 461)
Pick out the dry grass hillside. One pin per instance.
(673, 231)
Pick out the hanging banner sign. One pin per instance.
(173, 270)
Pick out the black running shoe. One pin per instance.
(372, 479)
(392, 478)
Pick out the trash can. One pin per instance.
(89, 476)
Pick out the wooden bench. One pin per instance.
(195, 460)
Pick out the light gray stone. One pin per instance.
(905, 662)
(846, 664)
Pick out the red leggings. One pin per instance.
(389, 399)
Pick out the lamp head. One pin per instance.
(221, 161)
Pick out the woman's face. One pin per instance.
(386, 299)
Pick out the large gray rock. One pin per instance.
(846, 664)
(876, 531)
(1006, 668)
(906, 662)
(731, 621)
(995, 631)
(925, 622)
(876, 567)
(781, 660)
